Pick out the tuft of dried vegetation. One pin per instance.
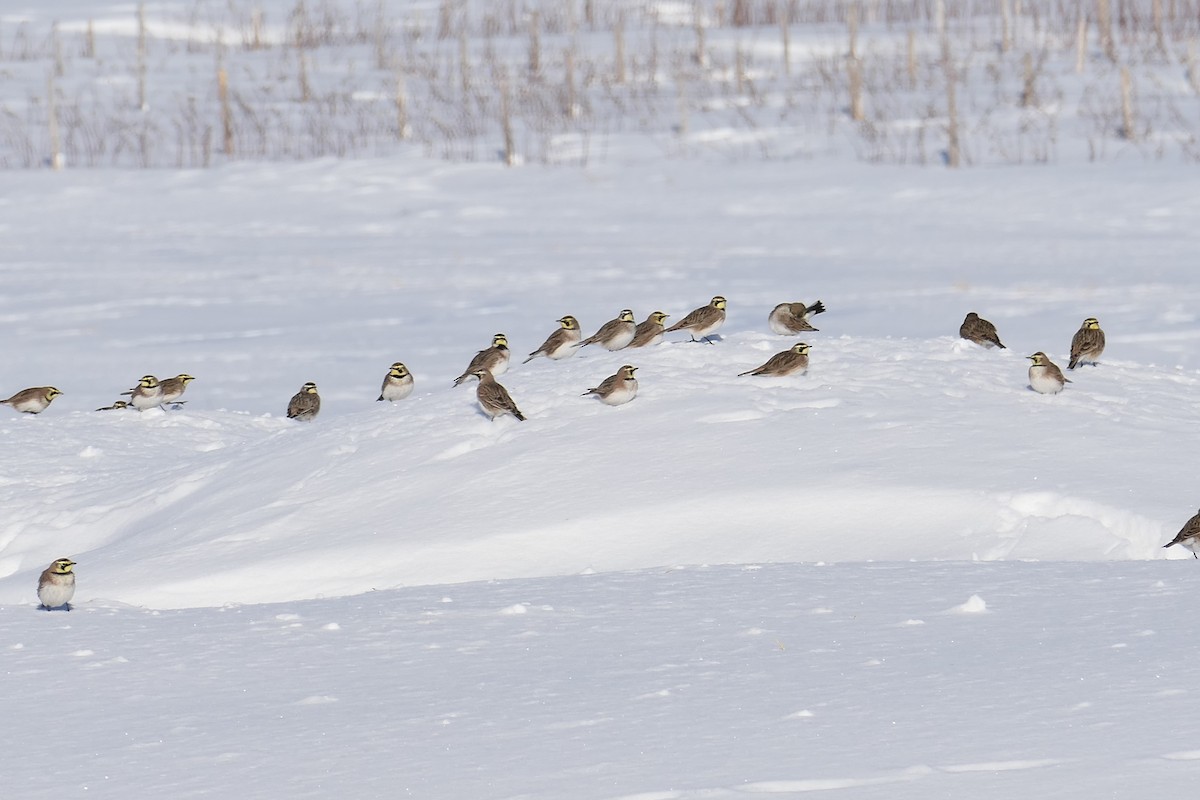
(547, 81)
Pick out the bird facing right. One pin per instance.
(1044, 375)
(791, 318)
(494, 398)
(617, 389)
(147, 394)
(978, 330)
(173, 388)
(1087, 344)
(649, 332)
(616, 334)
(305, 404)
(794, 359)
(560, 344)
(397, 384)
(56, 585)
(1189, 536)
(32, 401)
(704, 321)
(494, 359)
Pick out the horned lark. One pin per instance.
(615, 334)
(617, 389)
(56, 586)
(794, 359)
(114, 406)
(494, 359)
(649, 332)
(494, 398)
(978, 330)
(1044, 375)
(397, 384)
(1189, 536)
(173, 388)
(704, 321)
(147, 394)
(562, 343)
(789, 318)
(1087, 344)
(305, 404)
(32, 401)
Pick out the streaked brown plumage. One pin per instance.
(650, 331)
(494, 398)
(617, 389)
(1189, 536)
(616, 334)
(703, 321)
(978, 330)
(563, 343)
(1044, 375)
(56, 584)
(114, 406)
(790, 361)
(173, 388)
(790, 318)
(494, 359)
(305, 404)
(32, 401)
(1087, 344)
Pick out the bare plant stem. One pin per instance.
(854, 67)
(1104, 24)
(141, 56)
(535, 44)
(1081, 43)
(619, 51)
(56, 156)
(1129, 131)
(226, 111)
(510, 142)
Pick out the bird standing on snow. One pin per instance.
(1044, 375)
(305, 404)
(56, 586)
(790, 318)
(494, 398)
(397, 384)
(560, 344)
(978, 330)
(617, 389)
(649, 332)
(616, 334)
(1189, 536)
(173, 388)
(147, 394)
(792, 360)
(704, 321)
(1087, 344)
(494, 359)
(32, 401)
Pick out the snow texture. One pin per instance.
(903, 575)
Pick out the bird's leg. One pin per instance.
(68, 605)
